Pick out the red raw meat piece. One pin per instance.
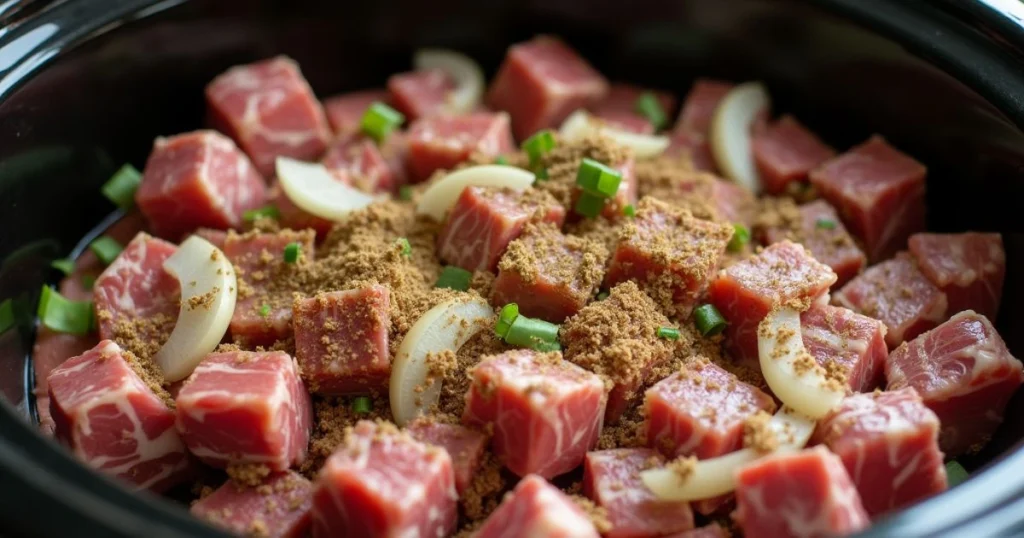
(244, 407)
(806, 493)
(197, 179)
(746, 291)
(830, 244)
(732, 202)
(541, 82)
(964, 373)
(465, 446)
(968, 267)
(485, 220)
(708, 197)
(420, 94)
(695, 146)
(114, 422)
(538, 510)
(345, 112)
(700, 104)
(259, 258)
(382, 482)
(713, 530)
(341, 340)
(786, 152)
(270, 110)
(546, 412)
(443, 141)
(856, 342)
(618, 107)
(278, 507)
(896, 293)
(359, 162)
(889, 443)
(611, 478)
(700, 411)
(215, 237)
(879, 191)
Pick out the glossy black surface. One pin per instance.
(81, 91)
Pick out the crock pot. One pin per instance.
(87, 84)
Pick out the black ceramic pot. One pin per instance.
(87, 84)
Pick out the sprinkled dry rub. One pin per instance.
(542, 250)
(563, 162)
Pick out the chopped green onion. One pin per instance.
(532, 333)
(88, 281)
(740, 238)
(65, 265)
(629, 211)
(291, 252)
(538, 145)
(379, 120)
(547, 347)
(955, 473)
(602, 296)
(508, 315)
(541, 173)
(265, 212)
(362, 404)
(598, 179)
(61, 315)
(501, 160)
(590, 205)
(403, 243)
(454, 278)
(265, 310)
(106, 248)
(825, 224)
(668, 333)
(405, 193)
(648, 106)
(121, 186)
(7, 318)
(709, 320)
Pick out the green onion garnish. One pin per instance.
(291, 252)
(88, 281)
(668, 333)
(405, 193)
(547, 347)
(629, 211)
(454, 278)
(61, 315)
(589, 205)
(265, 212)
(648, 106)
(538, 145)
(65, 265)
(403, 243)
(598, 179)
(740, 238)
(602, 296)
(501, 160)
(106, 249)
(508, 315)
(362, 404)
(955, 473)
(533, 333)
(121, 186)
(379, 120)
(265, 310)
(709, 320)
(825, 224)
(7, 318)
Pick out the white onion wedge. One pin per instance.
(441, 196)
(208, 291)
(468, 77)
(311, 187)
(580, 124)
(447, 326)
(792, 374)
(730, 133)
(717, 476)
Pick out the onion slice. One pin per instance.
(447, 326)
(790, 371)
(717, 476)
(311, 187)
(580, 124)
(468, 77)
(730, 133)
(441, 196)
(208, 291)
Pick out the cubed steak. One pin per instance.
(441, 142)
(277, 507)
(879, 191)
(197, 179)
(968, 267)
(360, 162)
(345, 112)
(215, 237)
(541, 82)
(341, 340)
(705, 195)
(695, 148)
(964, 373)
(611, 478)
(537, 509)
(746, 291)
(855, 343)
(246, 407)
(690, 135)
(114, 421)
(546, 413)
(270, 110)
(486, 219)
(806, 493)
(786, 152)
(382, 482)
(465, 446)
(548, 274)
(898, 294)
(420, 94)
(817, 227)
(619, 107)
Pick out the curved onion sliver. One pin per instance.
(314, 190)
(468, 77)
(730, 133)
(580, 124)
(441, 196)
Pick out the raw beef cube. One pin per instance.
(746, 291)
(246, 407)
(441, 142)
(964, 373)
(700, 411)
(548, 274)
(541, 82)
(879, 191)
(263, 313)
(278, 507)
(345, 112)
(486, 219)
(382, 482)
(611, 478)
(700, 105)
(341, 340)
(713, 530)
(538, 510)
(706, 196)
(465, 446)
(360, 162)
(817, 227)
(420, 94)
(806, 493)
(695, 147)
(833, 334)
(293, 217)
(215, 237)
(113, 421)
(546, 412)
(670, 253)
(270, 110)
(968, 267)
(197, 179)
(786, 152)
(618, 107)
(889, 444)
(896, 293)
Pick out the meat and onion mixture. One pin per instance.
(534, 308)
